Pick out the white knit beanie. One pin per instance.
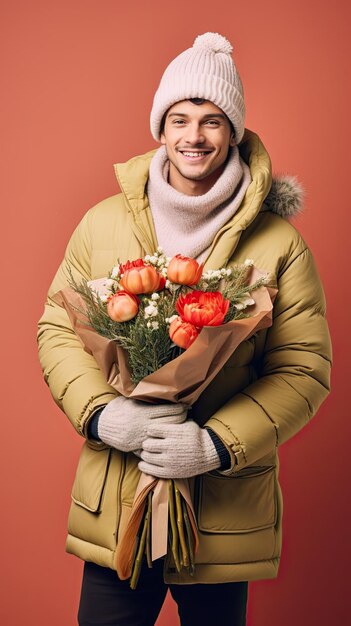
(205, 71)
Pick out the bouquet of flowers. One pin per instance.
(160, 330)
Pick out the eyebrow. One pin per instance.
(208, 115)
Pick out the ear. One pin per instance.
(232, 141)
(163, 139)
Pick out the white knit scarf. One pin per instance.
(187, 224)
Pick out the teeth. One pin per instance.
(194, 154)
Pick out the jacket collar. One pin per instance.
(281, 195)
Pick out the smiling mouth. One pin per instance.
(194, 155)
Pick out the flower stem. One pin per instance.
(148, 532)
(174, 529)
(140, 553)
(189, 533)
(180, 525)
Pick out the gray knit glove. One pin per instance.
(178, 451)
(123, 423)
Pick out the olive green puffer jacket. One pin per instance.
(267, 391)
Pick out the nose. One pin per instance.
(193, 134)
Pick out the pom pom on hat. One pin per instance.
(206, 70)
(213, 42)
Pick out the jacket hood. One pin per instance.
(281, 194)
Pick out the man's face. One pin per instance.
(197, 139)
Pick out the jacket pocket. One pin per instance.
(242, 503)
(90, 478)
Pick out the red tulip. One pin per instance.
(122, 306)
(202, 308)
(184, 270)
(140, 278)
(182, 333)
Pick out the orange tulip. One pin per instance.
(122, 306)
(202, 308)
(182, 333)
(184, 270)
(140, 278)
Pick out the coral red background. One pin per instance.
(77, 86)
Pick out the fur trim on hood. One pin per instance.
(285, 197)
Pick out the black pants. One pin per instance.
(107, 601)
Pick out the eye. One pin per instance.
(212, 122)
(179, 122)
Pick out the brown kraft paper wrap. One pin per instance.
(181, 380)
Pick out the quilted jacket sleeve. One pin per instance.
(294, 377)
(75, 381)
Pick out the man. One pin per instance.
(207, 192)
